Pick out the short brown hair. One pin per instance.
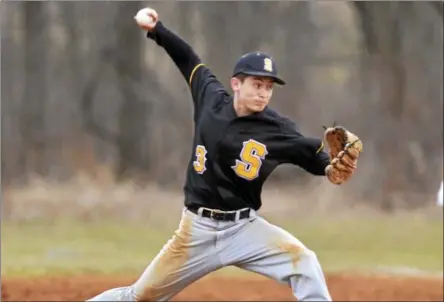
(241, 77)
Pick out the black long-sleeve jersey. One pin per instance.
(233, 156)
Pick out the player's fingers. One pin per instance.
(347, 160)
(333, 175)
(153, 14)
(337, 176)
(345, 176)
(341, 166)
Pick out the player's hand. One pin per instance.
(146, 18)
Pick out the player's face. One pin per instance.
(254, 92)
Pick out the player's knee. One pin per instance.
(300, 255)
(308, 261)
(311, 255)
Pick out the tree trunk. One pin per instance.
(382, 35)
(133, 112)
(33, 105)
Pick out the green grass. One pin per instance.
(78, 248)
(377, 242)
(70, 248)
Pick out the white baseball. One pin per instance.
(144, 18)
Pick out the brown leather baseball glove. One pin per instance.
(344, 150)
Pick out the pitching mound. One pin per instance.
(344, 287)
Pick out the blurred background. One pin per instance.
(89, 105)
(96, 127)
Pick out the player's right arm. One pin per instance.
(200, 79)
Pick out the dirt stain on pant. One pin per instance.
(292, 250)
(163, 271)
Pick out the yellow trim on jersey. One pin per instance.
(320, 148)
(194, 70)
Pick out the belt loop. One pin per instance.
(237, 218)
(199, 211)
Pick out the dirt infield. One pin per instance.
(344, 287)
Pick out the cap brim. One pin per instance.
(277, 79)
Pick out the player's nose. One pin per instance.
(263, 93)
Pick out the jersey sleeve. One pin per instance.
(305, 152)
(205, 87)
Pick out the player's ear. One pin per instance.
(235, 84)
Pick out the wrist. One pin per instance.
(154, 33)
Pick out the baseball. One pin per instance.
(146, 18)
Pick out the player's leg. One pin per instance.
(266, 249)
(188, 256)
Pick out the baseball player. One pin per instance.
(238, 142)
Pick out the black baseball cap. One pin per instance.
(257, 64)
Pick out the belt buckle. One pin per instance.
(214, 213)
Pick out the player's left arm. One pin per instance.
(305, 152)
(317, 163)
(309, 154)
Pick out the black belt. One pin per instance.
(220, 215)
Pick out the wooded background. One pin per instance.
(83, 91)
